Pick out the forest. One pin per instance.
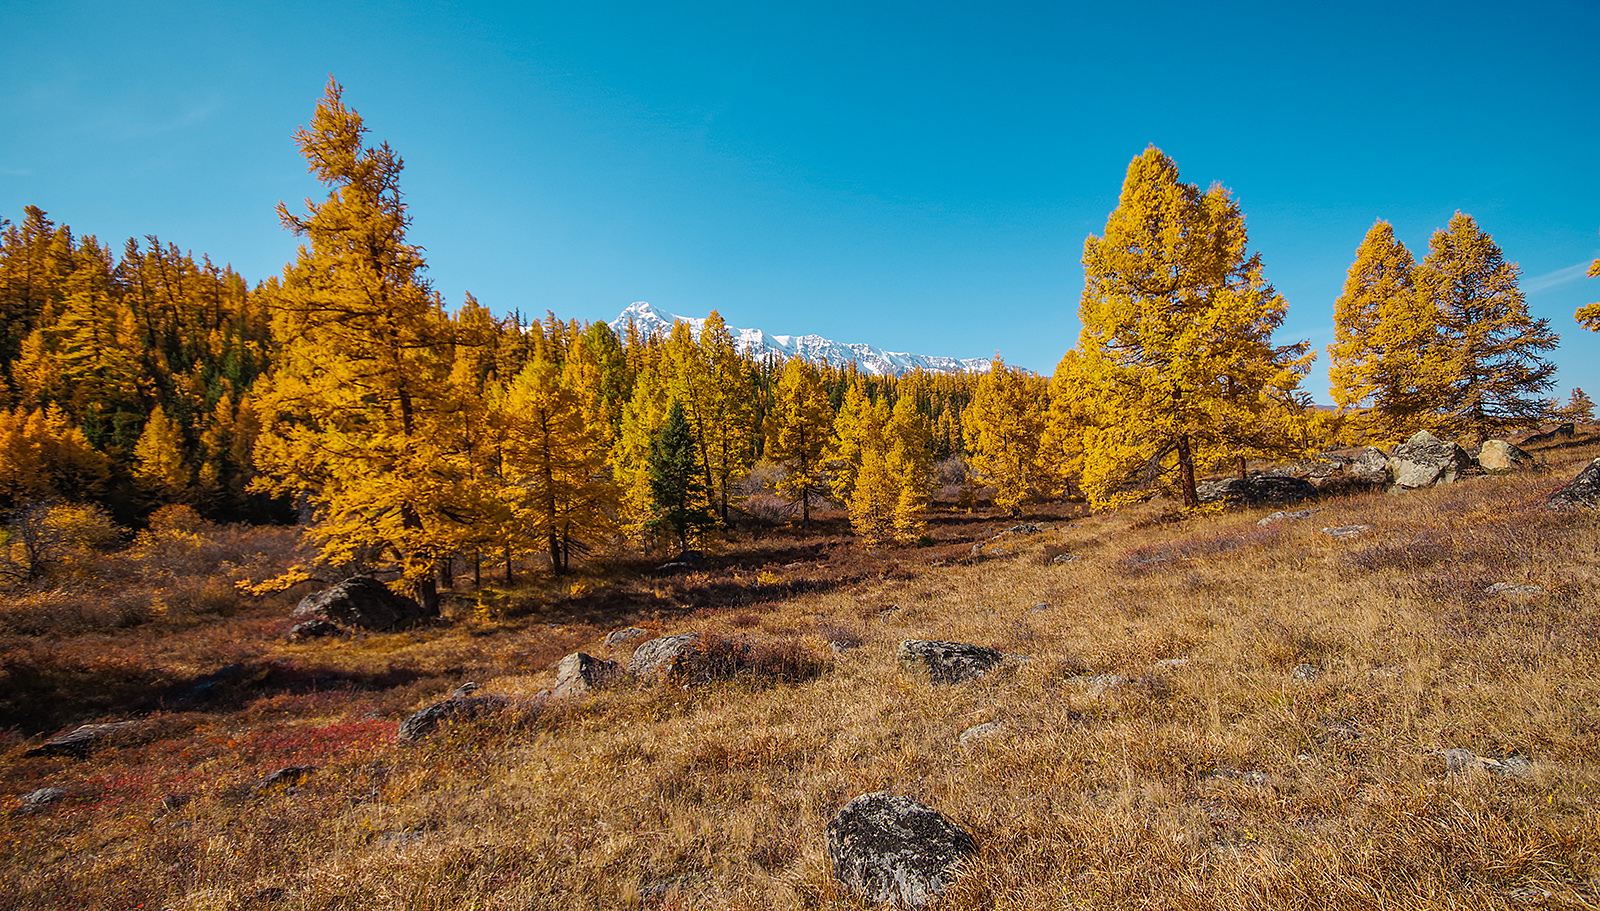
(426, 441)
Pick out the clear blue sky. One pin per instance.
(920, 175)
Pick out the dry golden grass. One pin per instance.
(1213, 781)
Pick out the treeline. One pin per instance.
(404, 435)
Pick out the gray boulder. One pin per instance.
(460, 705)
(85, 739)
(689, 658)
(1498, 455)
(581, 674)
(625, 636)
(893, 849)
(947, 662)
(1257, 490)
(1370, 466)
(38, 799)
(1425, 460)
(361, 602)
(1583, 490)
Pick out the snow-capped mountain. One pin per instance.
(872, 360)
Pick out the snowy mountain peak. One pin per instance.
(651, 320)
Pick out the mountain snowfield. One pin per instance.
(650, 320)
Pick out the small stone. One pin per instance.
(1499, 455)
(892, 849)
(1061, 559)
(947, 662)
(36, 800)
(1306, 672)
(1514, 589)
(1347, 531)
(625, 636)
(1458, 761)
(360, 602)
(286, 777)
(981, 732)
(1041, 606)
(1286, 516)
(580, 674)
(1425, 460)
(1167, 664)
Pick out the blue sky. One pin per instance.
(920, 176)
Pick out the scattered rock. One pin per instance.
(1514, 589)
(893, 849)
(1041, 607)
(1561, 432)
(1458, 761)
(1347, 531)
(81, 741)
(620, 637)
(1583, 490)
(1252, 777)
(1306, 672)
(684, 561)
(457, 707)
(580, 674)
(1499, 455)
(657, 659)
(1286, 516)
(285, 778)
(981, 732)
(1370, 465)
(1064, 558)
(1425, 460)
(360, 602)
(36, 800)
(1256, 490)
(1168, 664)
(947, 662)
(315, 628)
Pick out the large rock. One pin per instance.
(1499, 455)
(460, 705)
(85, 739)
(1370, 466)
(362, 603)
(579, 674)
(689, 658)
(947, 662)
(1583, 490)
(893, 849)
(1257, 490)
(1425, 460)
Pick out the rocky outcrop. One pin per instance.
(581, 674)
(1583, 490)
(890, 849)
(1499, 456)
(618, 638)
(1424, 461)
(690, 659)
(1256, 490)
(947, 662)
(358, 603)
(1369, 466)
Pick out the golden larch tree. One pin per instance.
(800, 423)
(1177, 335)
(1004, 426)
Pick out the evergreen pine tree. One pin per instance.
(1495, 378)
(677, 495)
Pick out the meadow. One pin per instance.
(1201, 712)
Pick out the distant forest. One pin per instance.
(345, 394)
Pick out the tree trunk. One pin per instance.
(447, 572)
(1186, 473)
(477, 570)
(509, 576)
(428, 595)
(553, 542)
(1243, 475)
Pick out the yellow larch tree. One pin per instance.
(1177, 335)
(875, 492)
(1384, 367)
(801, 420)
(909, 460)
(843, 455)
(1004, 426)
(350, 410)
(161, 467)
(1588, 316)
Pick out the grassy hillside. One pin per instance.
(1202, 773)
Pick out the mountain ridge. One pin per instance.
(872, 360)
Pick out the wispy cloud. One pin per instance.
(196, 113)
(1558, 277)
(15, 172)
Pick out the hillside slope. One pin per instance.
(1211, 714)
